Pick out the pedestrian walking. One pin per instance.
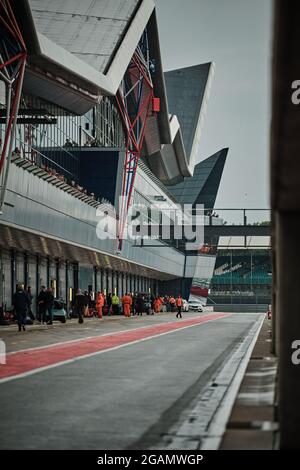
(30, 298)
(172, 303)
(21, 305)
(139, 306)
(152, 304)
(134, 301)
(42, 305)
(179, 304)
(157, 304)
(100, 304)
(80, 304)
(115, 304)
(127, 302)
(108, 304)
(49, 300)
(88, 300)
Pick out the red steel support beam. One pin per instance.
(135, 127)
(13, 52)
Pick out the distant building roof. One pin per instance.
(186, 91)
(203, 187)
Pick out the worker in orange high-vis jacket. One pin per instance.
(127, 302)
(179, 304)
(157, 305)
(172, 303)
(100, 304)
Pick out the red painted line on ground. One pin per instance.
(25, 361)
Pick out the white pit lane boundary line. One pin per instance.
(218, 424)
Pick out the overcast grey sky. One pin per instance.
(237, 36)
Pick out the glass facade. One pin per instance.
(52, 137)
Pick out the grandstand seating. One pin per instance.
(236, 269)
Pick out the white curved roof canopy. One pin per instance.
(79, 50)
(72, 23)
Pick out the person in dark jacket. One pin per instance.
(108, 303)
(80, 303)
(30, 298)
(42, 305)
(49, 305)
(21, 306)
(134, 299)
(89, 303)
(139, 305)
(152, 304)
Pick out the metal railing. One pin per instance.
(239, 216)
